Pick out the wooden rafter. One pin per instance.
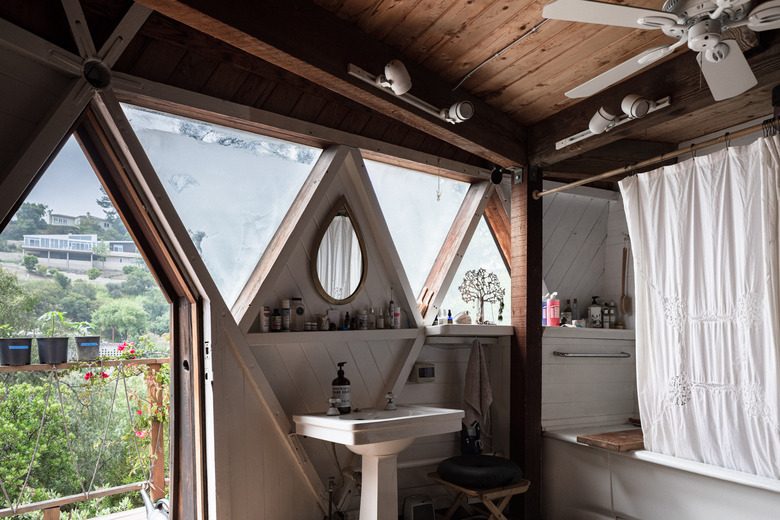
(499, 225)
(291, 36)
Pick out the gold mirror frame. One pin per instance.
(340, 206)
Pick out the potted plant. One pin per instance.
(87, 344)
(14, 350)
(53, 348)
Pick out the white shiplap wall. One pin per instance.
(574, 238)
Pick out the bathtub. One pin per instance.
(581, 482)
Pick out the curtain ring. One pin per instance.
(693, 152)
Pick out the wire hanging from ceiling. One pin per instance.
(499, 53)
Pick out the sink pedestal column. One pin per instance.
(379, 488)
(379, 482)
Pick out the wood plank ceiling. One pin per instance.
(291, 58)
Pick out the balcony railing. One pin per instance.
(157, 481)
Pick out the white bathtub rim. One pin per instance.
(691, 466)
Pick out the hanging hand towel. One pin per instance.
(477, 395)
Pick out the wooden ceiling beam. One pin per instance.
(307, 40)
(679, 78)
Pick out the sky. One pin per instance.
(69, 186)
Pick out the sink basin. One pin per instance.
(379, 436)
(373, 426)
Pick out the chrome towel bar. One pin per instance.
(605, 355)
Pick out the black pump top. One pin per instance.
(341, 368)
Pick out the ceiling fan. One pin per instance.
(698, 23)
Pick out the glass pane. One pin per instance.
(72, 277)
(483, 253)
(419, 210)
(230, 188)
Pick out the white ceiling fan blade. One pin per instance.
(729, 77)
(606, 14)
(765, 17)
(620, 72)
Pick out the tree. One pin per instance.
(30, 262)
(93, 273)
(138, 281)
(100, 251)
(62, 280)
(29, 220)
(124, 316)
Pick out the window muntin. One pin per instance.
(231, 188)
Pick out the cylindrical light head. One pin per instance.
(460, 111)
(398, 77)
(635, 106)
(600, 121)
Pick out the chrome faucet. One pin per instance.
(390, 404)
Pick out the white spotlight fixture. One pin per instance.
(396, 80)
(603, 121)
(635, 106)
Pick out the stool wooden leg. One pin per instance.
(496, 512)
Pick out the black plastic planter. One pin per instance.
(87, 347)
(52, 350)
(15, 351)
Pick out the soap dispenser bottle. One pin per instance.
(341, 390)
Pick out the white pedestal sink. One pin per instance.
(379, 436)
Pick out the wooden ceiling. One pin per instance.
(290, 57)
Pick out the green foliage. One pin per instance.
(127, 317)
(85, 289)
(16, 305)
(21, 411)
(5, 247)
(29, 220)
(54, 323)
(138, 281)
(62, 280)
(30, 262)
(114, 290)
(89, 225)
(93, 273)
(100, 251)
(42, 269)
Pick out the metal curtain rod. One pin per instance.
(772, 122)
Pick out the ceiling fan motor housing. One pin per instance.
(704, 35)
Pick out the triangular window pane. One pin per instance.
(419, 210)
(72, 277)
(231, 188)
(482, 253)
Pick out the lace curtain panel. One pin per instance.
(704, 234)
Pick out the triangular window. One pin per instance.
(74, 279)
(230, 188)
(419, 210)
(482, 252)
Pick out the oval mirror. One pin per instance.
(339, 267)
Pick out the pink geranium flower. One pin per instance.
(141, 433)
(139, 412)
(87, 376)
(103, 375)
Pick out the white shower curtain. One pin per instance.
(704, 234)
